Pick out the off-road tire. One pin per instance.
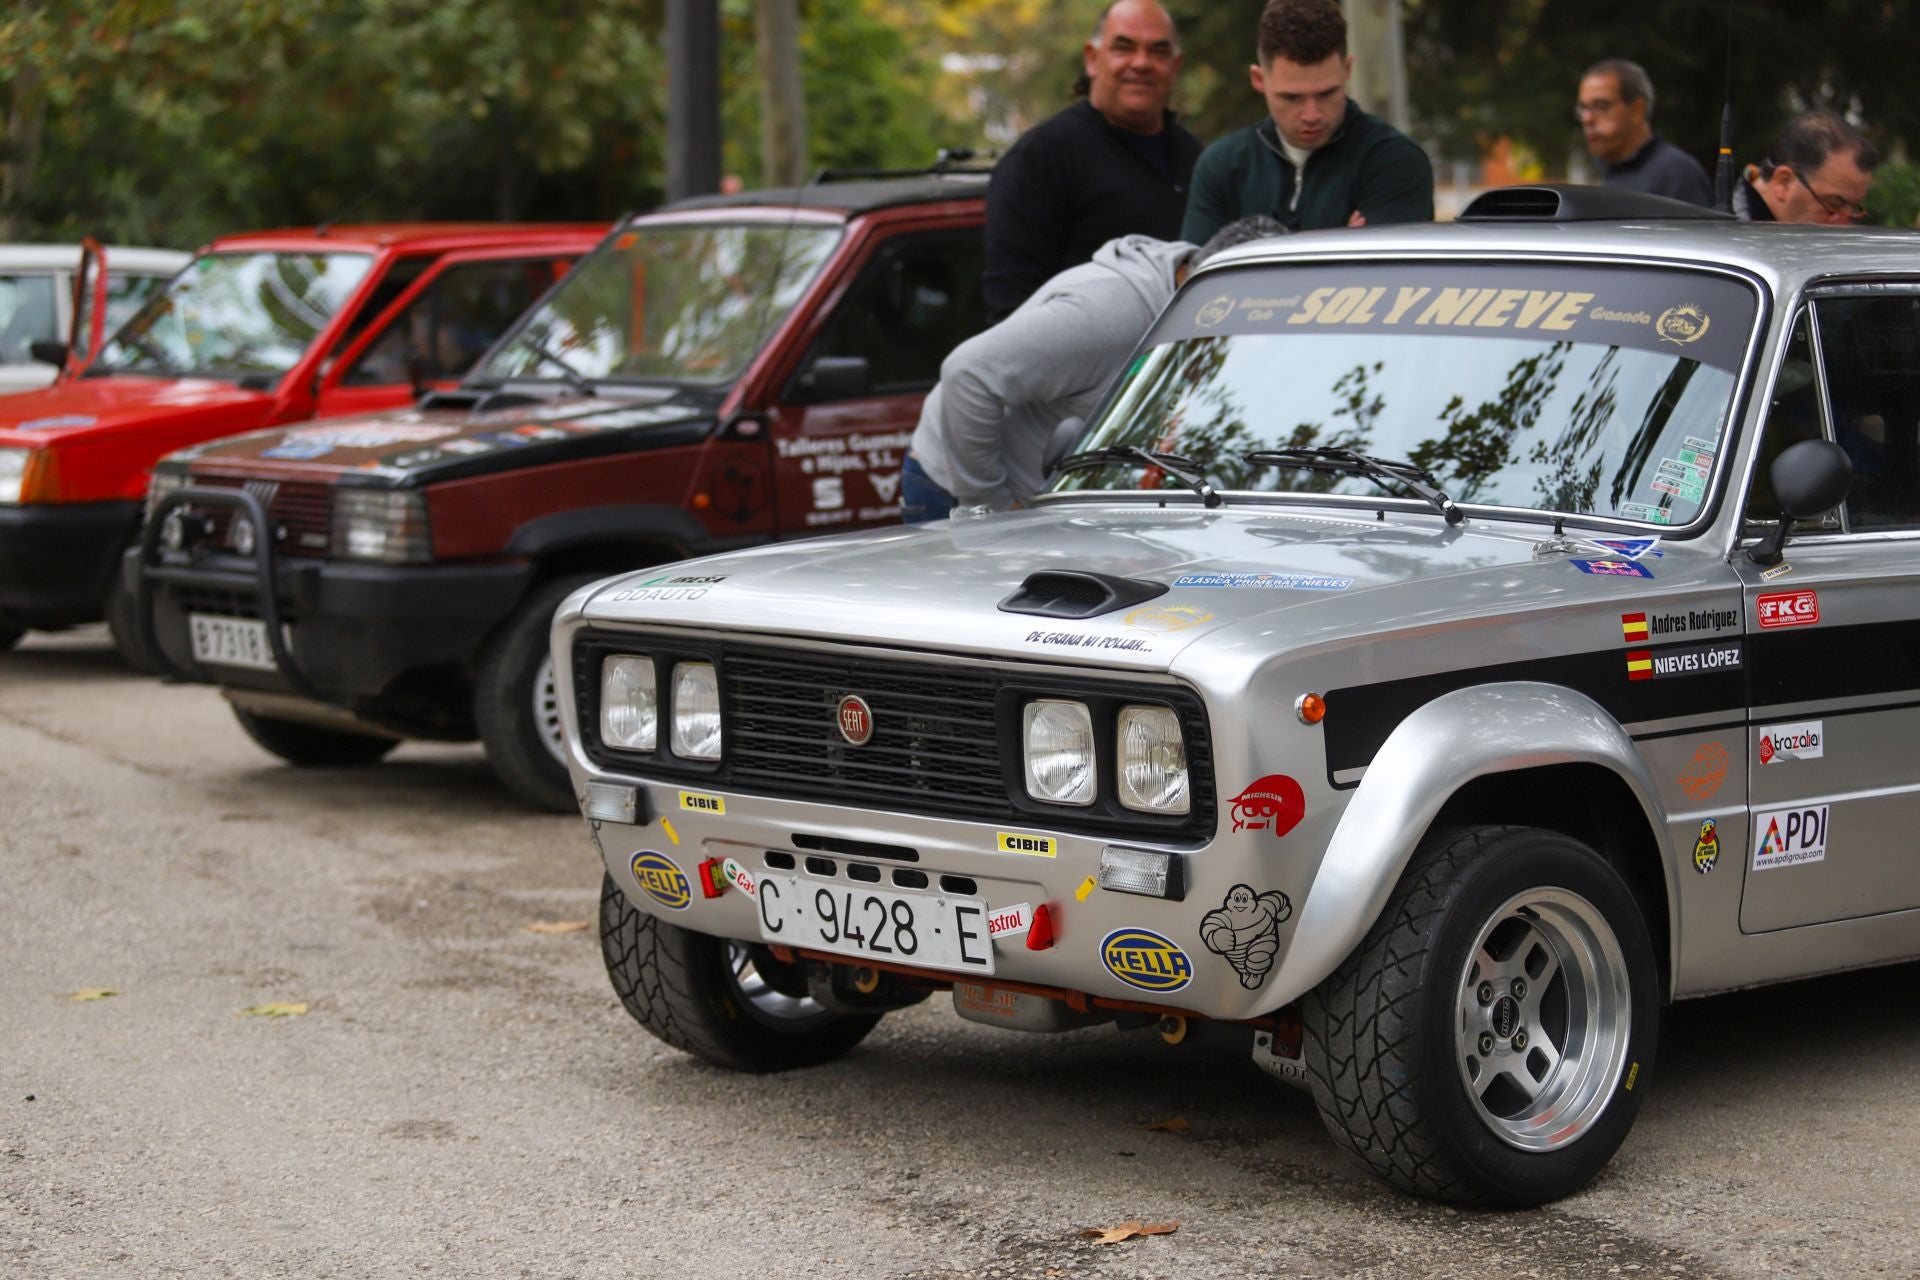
(123, 624)
(313, 746)
(680, 986)
(1383, 1032)
(503, 700)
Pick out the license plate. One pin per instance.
(231, 642)
(927, 930)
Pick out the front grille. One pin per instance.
(946, 739)
(301, 512)
(222, 601)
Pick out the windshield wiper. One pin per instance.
(574, 378)
(1382, 471)
(1185, 470)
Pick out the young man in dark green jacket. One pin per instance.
(1317, 160)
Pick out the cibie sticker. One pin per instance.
(1706, 847)
(1010, 922)
(1781, 743)
(701, 803)
(1788, 609)
(739, 877)
(1274, 803)
(1790, 837)
(1020, 842)
(660, 880)
(1146, 961)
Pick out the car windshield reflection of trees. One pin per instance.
(1575, 427)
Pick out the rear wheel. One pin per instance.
(311, 745)
(727, 1002)
(1492, 1037)
(516, 704)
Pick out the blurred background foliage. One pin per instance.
(168, 121)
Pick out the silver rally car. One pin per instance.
(1446, 646)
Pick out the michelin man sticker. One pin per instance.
(1245, 931)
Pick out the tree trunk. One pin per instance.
(783, 108)
(1379, 62)
(26, 120)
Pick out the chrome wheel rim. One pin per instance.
(1544, 1015)
(760, 996)
(546, 711)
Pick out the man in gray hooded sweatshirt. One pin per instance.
(984, 429)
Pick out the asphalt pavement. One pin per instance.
(463, 1096)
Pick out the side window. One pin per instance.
(1793, 415)
(26, 315)
(399, 278)
(126, 294)
(1870, 350)
(917, 300)
(452, 323)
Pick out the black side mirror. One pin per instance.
(1809, 479)
(833, 378)
(47, 351)
(1061, 442)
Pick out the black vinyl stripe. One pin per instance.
(1825, 663)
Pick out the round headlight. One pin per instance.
(1059, 738)
(1152, 760)
(629, 704)
(240, 535)
(696, 711)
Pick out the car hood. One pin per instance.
(82, 411)
(1298, 575)
(417, 443)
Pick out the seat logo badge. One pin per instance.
(855, 719)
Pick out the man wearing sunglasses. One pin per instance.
(1818, 170)
(1614, 111)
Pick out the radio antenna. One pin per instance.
(1723, 171)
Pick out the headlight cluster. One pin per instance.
(386, 526)
(13, 473)
(162, 484)
(630, 710)
(1150, 756)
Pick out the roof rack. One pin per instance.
(946, 160)
(1566, 202)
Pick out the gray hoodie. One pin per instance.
(984, 430)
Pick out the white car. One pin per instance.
(36, 300)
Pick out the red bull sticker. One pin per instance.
(660, 880)
(1146, 961)
(1612, 568)
(1274, 804)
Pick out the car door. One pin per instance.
(841, 428)
(1834, 668)
(436, 329)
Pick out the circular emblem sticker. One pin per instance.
(1143, 959)
(660, 880)
(1167, 617)
(855, 719)
(1681, 325)
(1214, 312)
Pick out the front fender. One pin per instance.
(1441, 747)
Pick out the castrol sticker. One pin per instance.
(738, 876)
(1010, 922)
(1788, 609)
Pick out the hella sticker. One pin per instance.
(1790, 837)
(660, 880)
(1781, 743)
(699, 803)
(1038, 846)
(1145, 961)
(1010, 922)
(1788, 609)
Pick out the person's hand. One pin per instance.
(1356, 219)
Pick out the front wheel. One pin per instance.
(516, 704)
(312, 745)
(1490, 1040)
(730, 1003)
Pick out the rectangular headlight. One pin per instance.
(382, 525)
(1059, 752)
(1151, 758)
(13, 470)
(163, 483)
(696, 711)
(629, 703)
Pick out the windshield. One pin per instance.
(678, 303)
(1583, 390)
(232, 314)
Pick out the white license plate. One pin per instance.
(927, 930)
(231, 642)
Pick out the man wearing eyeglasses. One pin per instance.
(1615, 110)
(1818, 170)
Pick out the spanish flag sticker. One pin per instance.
(1633, 626)
(1639, 664)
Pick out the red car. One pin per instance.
(265, 328)
(728, 371)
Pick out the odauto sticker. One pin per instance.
(1020, 842)
(1244, 930)
(702, 803)
(1788, 609)
(1790, 837)
(1146, 961)
(1706, 847)
(660, 880)
(1781, 743)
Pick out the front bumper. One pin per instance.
(341, 634)
(57, 560)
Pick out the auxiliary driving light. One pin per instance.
(240, 535)
(1143, 871)
(612, 802)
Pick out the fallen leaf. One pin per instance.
(1128, 1230)
(86, 994)
(1177, 1124)
(559, 926)
(274, 1010)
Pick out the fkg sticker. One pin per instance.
(1788, 609)
(1706, 848)
(1245, 931)
(1790, 837)
(1783, 743)
(1274, 803)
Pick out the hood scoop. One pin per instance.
(1070, 593)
